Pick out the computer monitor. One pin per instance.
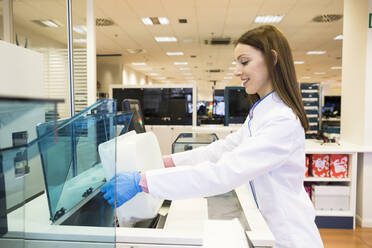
(134, 106)
(332, 106)
(237, 105)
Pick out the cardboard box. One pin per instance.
(330, 197)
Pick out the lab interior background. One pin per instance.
(114, 48)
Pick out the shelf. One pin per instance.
(334, 213)
(326, 179)
(331, 119)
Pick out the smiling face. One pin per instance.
(252, 70)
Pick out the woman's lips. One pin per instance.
(245, 82)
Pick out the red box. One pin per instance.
(307, 161)
(339, 165)
(320, 165)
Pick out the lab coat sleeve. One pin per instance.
(212, 152)
(267, 150)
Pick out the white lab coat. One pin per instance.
(268, 149)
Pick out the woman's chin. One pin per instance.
(250, 91)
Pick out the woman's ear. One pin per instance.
(275, 56)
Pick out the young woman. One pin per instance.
(267, 153)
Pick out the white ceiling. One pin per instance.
(206, 19)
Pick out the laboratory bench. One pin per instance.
(200, 222)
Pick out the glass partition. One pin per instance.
(79, 57)
(41, 26)
(69, 151)
(20, 168)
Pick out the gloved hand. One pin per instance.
(127, 186)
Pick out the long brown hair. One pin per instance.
(281, 70)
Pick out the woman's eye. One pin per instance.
(244, 62)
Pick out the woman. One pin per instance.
(267, 153)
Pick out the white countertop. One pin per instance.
(187, 224)
(315, 146)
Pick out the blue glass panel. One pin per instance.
(69, 153)
(19, 160)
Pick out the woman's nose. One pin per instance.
(237, 72)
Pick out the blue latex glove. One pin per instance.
(127, 185)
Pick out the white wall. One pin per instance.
(109, 71)
(354, 51)
(356, 104)
(21, 71)
(132, 77)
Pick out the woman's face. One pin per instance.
(252, 70)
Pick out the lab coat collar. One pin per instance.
(257, 102)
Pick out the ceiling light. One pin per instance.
(184, 69)
(234, 63)
(339, 37)
(315, 52)
(138, 63)
(80, 29)
(154, 74)
(163, 20)
(227, 78)
(80, 40)
(160, 78)
(155, 20)
(268, 19)
(145, 69)
(299, 62)
(336, 67)
(306, 77)
(180, 63)
(174, 53)
(165, 39)
(48, 23)
(319, 73)
(147, 21)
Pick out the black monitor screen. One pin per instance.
(120, 94)
(172, 105)
(239, 103)
(160, 106)
(334, 103)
